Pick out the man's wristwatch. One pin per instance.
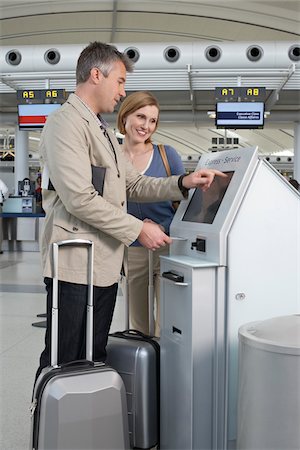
(184, 190)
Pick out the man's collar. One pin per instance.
(104, 124)
(97, 117)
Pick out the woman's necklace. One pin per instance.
(132, 155)
(140, 159)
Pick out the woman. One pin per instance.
(137, 120)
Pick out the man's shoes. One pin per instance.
(1, 251)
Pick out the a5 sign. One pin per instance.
(31, 95)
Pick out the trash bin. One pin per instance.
(269, 385)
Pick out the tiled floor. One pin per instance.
(22, 297)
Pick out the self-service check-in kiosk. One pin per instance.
(235, 258)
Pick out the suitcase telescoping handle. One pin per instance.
(90, 300)
(150, 297)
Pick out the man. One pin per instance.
(3, 197)
(85, 182)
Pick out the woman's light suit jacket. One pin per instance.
(76, 158)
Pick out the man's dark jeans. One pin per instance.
(72, 321)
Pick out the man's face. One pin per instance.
(112, 88)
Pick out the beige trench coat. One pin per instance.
(71, 143)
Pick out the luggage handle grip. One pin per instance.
(90, 300)
(79, 362)
(131, 332)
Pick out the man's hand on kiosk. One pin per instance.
(201, 178)
(152, 237)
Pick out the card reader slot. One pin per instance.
(173, 276)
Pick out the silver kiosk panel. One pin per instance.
(235, 259)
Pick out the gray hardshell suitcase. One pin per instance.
(80, 405)
(136, 357)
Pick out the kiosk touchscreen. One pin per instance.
(224, 270)
(204, 217)
(204, 206)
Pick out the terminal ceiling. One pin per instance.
(185, 122)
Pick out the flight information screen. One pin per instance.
(240, 115)
(34, 116)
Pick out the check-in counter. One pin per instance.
(22, 224)
(19, 204)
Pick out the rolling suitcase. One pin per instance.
(80, 405)
(136, 357)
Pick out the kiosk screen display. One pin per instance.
(204, 206)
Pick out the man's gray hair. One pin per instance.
(102, 56)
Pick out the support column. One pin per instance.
(21, 156)
(297, 151)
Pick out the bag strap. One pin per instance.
(164, 158)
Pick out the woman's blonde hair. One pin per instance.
(131, 104)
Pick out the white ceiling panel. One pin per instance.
(185, 94)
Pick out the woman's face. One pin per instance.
(141, 124)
